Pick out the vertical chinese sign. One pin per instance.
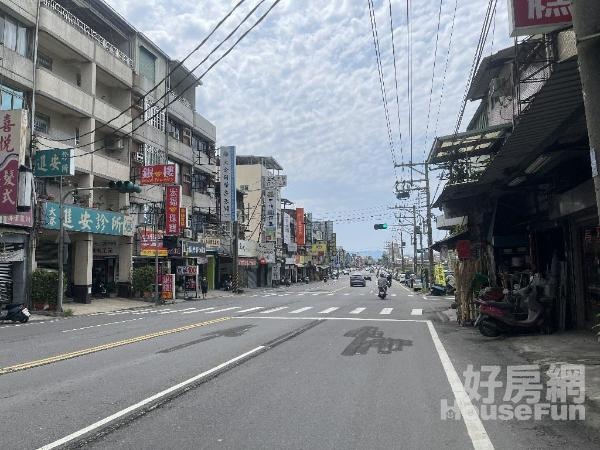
(168, 286)
(228, 192)
(13, 135)
(173, 196)
(300, 226)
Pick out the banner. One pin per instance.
(183, 218)
(529, 17)
(274, 181)
(173, 196)
(247, 248)
(168, 286)
(319, 249)
(286, 228)
(159, 174)
(87, 220)
(187, 270)
(300, 226)
(228, 192)
(13, 135)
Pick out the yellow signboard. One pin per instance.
(152, 252)
(319, 249)
(438, 274)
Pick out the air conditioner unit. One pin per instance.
(187, 234)
(112, 143)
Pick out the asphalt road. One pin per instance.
(321, 366)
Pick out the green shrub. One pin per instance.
(44, 285)
(142, 279)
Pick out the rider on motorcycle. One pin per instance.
(382, 282)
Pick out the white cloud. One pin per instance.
(304, 88)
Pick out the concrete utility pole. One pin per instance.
(234, 244)
(401, 252)
(428, 224)
(586, 24)
(414, 239)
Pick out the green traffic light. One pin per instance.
(384, 226)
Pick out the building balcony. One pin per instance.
(84, 35)
(203, 200)
(25, 8)
(148, 134)
(63, 92)
(16, 67)
(180, 151)
(181, 109)
(205, 127)
(105, 113)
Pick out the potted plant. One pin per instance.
(142, 280)
(44, 289)
(111, 289)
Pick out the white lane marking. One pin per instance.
(316, 293)
(386, 311)
(393, 295)
(280, 295)
(251, 309)
(198, 310)
(357, 310)
(102, 325)
(328, 310)
(424, 297)
(168, 312)
(331, 318)
(362, 293)
(330, 293)
(300, 295)
(273, 310)
(347, 293)
(148, 400)
(255, 295)
(411, 295)
(298, 311)
(416, 312)
(476, 430)
(224, 309)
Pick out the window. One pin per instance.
(174, 129)
(11, 98)
(10, 33)
(76, 136)
(41, 123)
(44, 61)
(152, 114)
(153, 155)
(147, 65)
(15, 35)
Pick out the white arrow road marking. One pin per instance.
(416, 312)
(298, 311)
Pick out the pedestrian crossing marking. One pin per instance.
(416, 312)
(386, 311)
(251, 309)
(298, 311)
(328, 310)
(224, 309)
(198, 310)
(357, 310)
(273, 310)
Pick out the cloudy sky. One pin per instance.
(303, 87)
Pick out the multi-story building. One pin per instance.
(98, 87)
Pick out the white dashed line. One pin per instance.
(357, 310)
(298, 311)
(102, 325)
(328, 310)
(386, 311)
(224, 309)
(273, 310)
(198, 310)
(251, 309)
(416, 312)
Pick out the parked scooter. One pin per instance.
(502, 312)
(306, 279)
(227, 285)
(325, 279)
(99, 289)
(16, 312)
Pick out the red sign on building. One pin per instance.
(11, 155)
(168, 286)
(463, 249)
(300, 226)
(173, 195)
(159, 174)
(538, 16)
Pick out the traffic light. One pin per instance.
(125, 187)
(380, 226)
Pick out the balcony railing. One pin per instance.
(85, 29)
(182, 99)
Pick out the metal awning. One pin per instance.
(469, 144)
(450, 241)
(460, 191)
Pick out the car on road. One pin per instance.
(417, 285)
(356, 279)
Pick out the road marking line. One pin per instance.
(347, 293)
(251, 309)
(255, 295)
(374, 319)
(300, 295)
(476, 430)
(224, 309)
(411, 295)
(273, 310)
(393, 295)
(98, 348)
(386, 311)
(330, 293)
(316, 293)
(357, 310)
(168, 312)
(416, 312)
(328, 310)
(148, 400)
(198, 310)
(298, 311)
(102, 325)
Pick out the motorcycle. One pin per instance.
(227, 285)
(15, 312)
(382, 293)
(325, 279)
(287, 282)
(99, 289)
(306, 279)
(503, 312)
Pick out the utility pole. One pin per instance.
(429, 228)
(401, 252)
(234, 244)
(422, 252)
(586, 24)
(414, 239)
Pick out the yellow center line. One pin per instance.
(99, 348)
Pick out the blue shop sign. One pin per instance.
(87, 220)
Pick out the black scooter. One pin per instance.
(382, 293)
(15, 312)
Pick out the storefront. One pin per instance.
(14, 239)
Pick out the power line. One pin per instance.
(396, 82)
(409, 83)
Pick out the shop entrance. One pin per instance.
(103, 272)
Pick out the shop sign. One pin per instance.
(54, 162)
(286, 228)
(193, 249)
(300, 260)
(168, 286)
(292, 247)
(175, 251)
(228, 192)
(438, 275)
(173, 197)
(12, 255)
(159, 174)
(266, 251)
(212, 243)
(290, 261)
(528, 17)
(187, 270)
(183, 218)
(87, 220)
(18, 220)
(247, 248)
(319, 249)
(149, 241)
(202, 260)
(247, 262)
(13, 134)
(106, 248)
(300, 226)
(463, 249)
(270, 235)
(274, 181)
